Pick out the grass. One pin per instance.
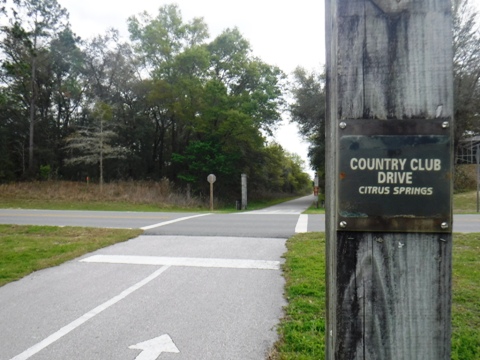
(466, 297)
(303, 328)
(465, 202)
(302, 331)
(314, 209)
(119, 196)
(24, 249)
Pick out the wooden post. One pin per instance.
(389, 108)
(211, 179)
(211, 196)
(244, 191)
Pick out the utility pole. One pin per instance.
(389, 181)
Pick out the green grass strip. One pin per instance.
(24, 249)
(302, 331)
(466, 297)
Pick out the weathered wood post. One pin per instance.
(244, 191)
(211, 179)
(389, 181)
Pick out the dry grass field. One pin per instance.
(126, 195)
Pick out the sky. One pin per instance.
(282, 33)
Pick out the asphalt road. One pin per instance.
(195, 286)
(277, 221)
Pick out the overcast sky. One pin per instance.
(282, 33)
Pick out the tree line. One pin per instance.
(168, 103)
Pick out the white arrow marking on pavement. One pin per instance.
(153, 348)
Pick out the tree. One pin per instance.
(202, 158)
(278, 171)
(215, 93)
(33, 25)
(96, 143)
(173, 54)
(241, 99)
(466, 46)
(308, 111)
(8, 145)
(255, 87)
(66, 69)
(112, 75)
(297, 180)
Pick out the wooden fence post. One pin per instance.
(389, 180)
